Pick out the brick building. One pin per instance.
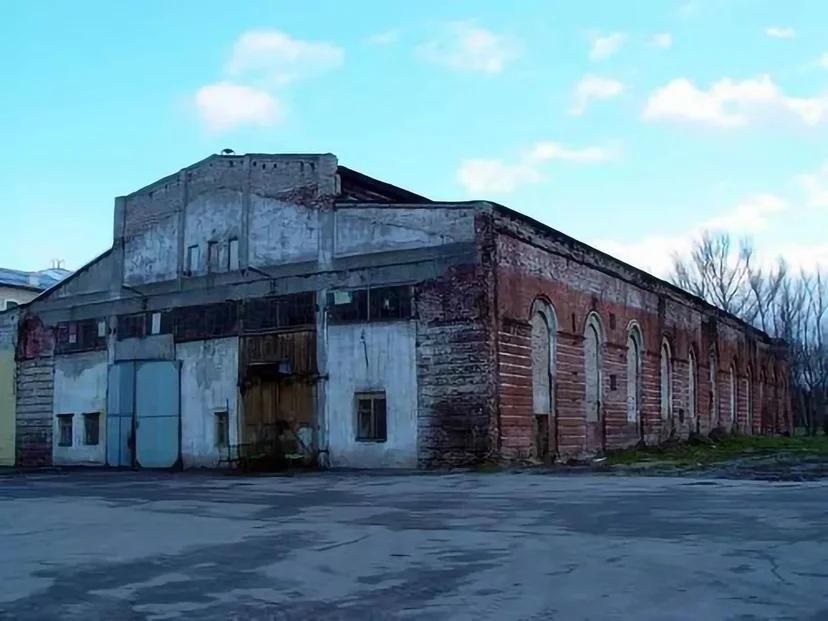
(285, 304)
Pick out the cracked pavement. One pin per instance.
(507, 545)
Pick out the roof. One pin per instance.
(33, 281)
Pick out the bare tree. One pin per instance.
(786, 306)
(717, 272)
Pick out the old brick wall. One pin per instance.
(577, 282)
(455, 361)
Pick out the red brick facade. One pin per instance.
(534, 263)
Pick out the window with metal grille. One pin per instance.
(371, 417)
(64, 429)
(285, 311)
(91, 428)
(208, 321)
(131, 326)
(222, 421)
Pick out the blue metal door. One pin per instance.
(119, 414)
(157, 422)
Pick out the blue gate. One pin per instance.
(120, 409)
(157, 421)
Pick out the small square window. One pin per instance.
(233, 255)
(64, 430)
(192, 259)
(91, 428)
(222, 428)
(371, 417)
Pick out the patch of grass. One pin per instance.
(731, 447)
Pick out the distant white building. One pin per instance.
(18, 287)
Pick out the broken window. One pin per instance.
(84, 335)
(285, 311)
(222, 421)
(192, 259)
(371, 417)
(233, 254)
(131, 326)
(64, 430)
(91, 428)
(380, 304)
(207, 321)
(389, 303)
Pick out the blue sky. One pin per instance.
(629, 128)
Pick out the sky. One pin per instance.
(630, 126)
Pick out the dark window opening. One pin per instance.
(208, 321)
(371, 417)
(192, 259)
(131, 326)
(222, 429)
(11, 304)
(380, 304)
(213, 257)
(91, 428)
(83, 335)
(64, 430)
(286, 311)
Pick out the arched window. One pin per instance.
(544, 330)
(731, 375)
(634, 349)
(713, 371)
(666, 381)
(692, 385)
(749, 400)
(593, 345)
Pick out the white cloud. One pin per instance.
(779, 32)
(547, 150)
(689, 9)
(748, 217)
(663, 40)
(655, 253)
(275, 58)
(815, 186)
(591, 88)
(386, 37)
(730, 103)
(823, 61)
(464, 46)
(605, 46)
(225, 106)
(494, 176)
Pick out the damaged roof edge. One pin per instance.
(645, 277)
(349, 175)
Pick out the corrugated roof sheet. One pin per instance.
(40, 280)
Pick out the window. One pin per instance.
(213, 257)
(593, 344)
(131, 326)
(207, 321)
(389, 303)
(633, 373)
(222, 428)
(692, 381)
(192, 259)
(11, 304)
(64, 430)
(233, 254)
(732, 395)
(84, 335)
(348, 305)
(543, 358)
(749, 401)
(91, 428)
(371, 421)
(713, 370)
(379, 304)
(666, 381)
